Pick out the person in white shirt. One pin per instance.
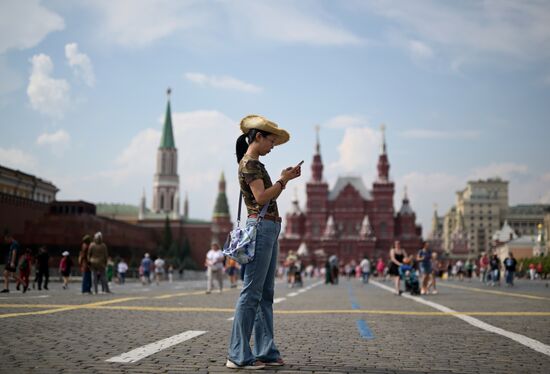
(365, 269)
(159, 269)
(214, 264)
(122, 268)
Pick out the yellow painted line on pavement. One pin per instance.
(63, 308)
(105, 306)
(512, 294)
(168, 296)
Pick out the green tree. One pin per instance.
(187, 260)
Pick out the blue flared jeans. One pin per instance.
(254, 309)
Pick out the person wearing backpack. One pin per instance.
(254, 309)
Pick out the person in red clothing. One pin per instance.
(24, 271)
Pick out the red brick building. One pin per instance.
(349, 220)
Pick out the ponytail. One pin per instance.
(241, 147)
(243, 141)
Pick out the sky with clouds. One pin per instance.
(463, 88)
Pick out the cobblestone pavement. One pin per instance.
(346, 328)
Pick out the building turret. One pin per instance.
(317, 196)
(317, 164)
(405, 205)
(221, 209)
(221, 219)
(166, 180)
(295, 220)
(142, 207)
(383, 189)
(383, 163)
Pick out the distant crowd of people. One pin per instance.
(96, 266)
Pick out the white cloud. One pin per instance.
(223, 82)
(420, 50)
(344, 121)
(47, 95)
(504, 170)
(290, 22)
(358, 153)
(517, 29)
(58, 141)
(17, 159)
(24, 24)
(137, 23)
(80, 63)
(439, 134)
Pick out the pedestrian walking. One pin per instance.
(469, 266)
(365, 269)
(122, 268)
(380, 266)
(436, 269)
(397, 254)
(214, 267)
(459, 270)
(170, 273)
(532, 271)
(254, 308)
(11, 262)
(159, 269)
(65, 267)
(510, 267)
(84, 265)
(334, 269)
(146, 264)
(97, 258)
(43, 266)
(25, 265)
(539, 270)
(484, 267)
(424, 258)
(232, 271)
(495, 270)
(110, 270)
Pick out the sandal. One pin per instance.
(256, 365)
(278, 362)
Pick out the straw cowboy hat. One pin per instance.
(254, 121)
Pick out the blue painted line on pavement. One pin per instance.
(364, 330)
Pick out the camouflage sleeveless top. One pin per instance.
(250, 170)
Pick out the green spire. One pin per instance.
(167, 140)
(221, 209)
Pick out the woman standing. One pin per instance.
(396, 259)
(254, 308)
(84, 266)
(65, 268)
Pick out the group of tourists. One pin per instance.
(94, 263)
